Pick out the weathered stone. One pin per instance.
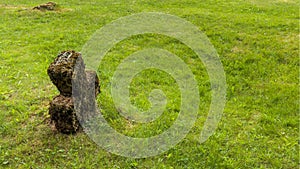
(62, 113)
(61, 71)
(76, 85)
(47, 6)
(92, 77)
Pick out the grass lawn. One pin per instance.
(258, 45)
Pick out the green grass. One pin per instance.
(258, 44)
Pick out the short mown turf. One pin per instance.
(258, 45)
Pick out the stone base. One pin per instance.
(62, 114)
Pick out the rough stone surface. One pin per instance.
(61, 71)
(62, 113)
(50, 6)
(93, 78)
(69, 67)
